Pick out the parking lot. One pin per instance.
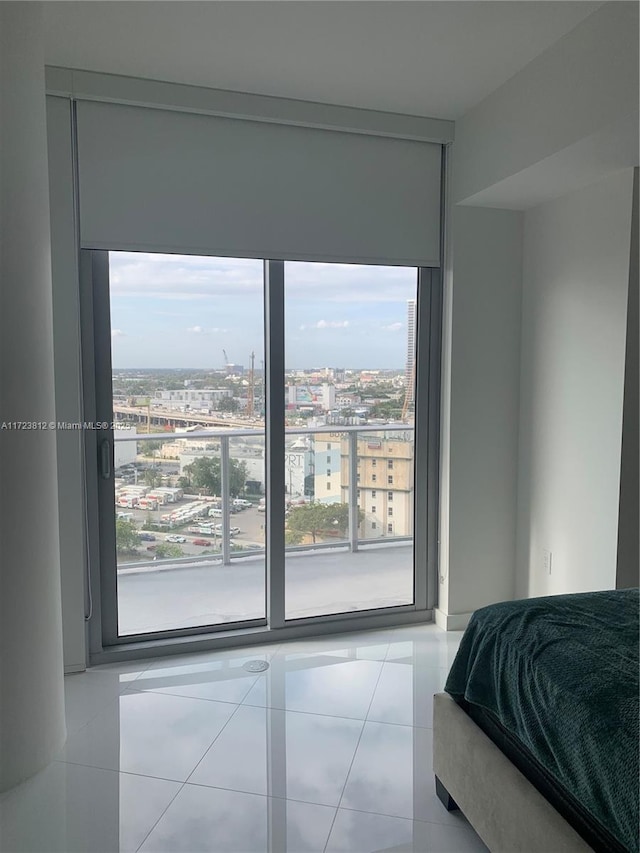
(249, 521)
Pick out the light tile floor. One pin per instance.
(328, 750)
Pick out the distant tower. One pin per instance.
(252, 379)
(409, 376)
(410, 368)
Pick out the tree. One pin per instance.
(388, 409)
(152, 478)
(168, 549)
(151, 446)
(126, 536)
(228, 404)
(204, 473)
(338, 517)
(317, 519)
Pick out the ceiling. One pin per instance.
(434, 59)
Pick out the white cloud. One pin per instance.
(201, 330)
(183, 277)
(392, 327)
(332, 324)
(117, 333)
(191, 277)
(350, 283)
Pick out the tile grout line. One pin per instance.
(164, 811)
(355, 752)
(123, 772)
(309, 713)
(254, 794)
(181, 788)
(260, 794)
(163, 692)
(464, 826)
(206, 752)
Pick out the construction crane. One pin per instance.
(250, 400)
(409, 394)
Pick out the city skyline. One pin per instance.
(176, 311)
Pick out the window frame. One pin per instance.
(104, 643)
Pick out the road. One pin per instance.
(161, 416)
(327, 581)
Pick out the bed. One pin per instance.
(536, 736)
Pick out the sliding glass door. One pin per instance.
(271, 446)
(186, 396)
(350, 389)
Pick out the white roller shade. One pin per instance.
(154, 179)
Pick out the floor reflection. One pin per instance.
(330, 747)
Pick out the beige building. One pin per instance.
(384, 484)
(327, 466)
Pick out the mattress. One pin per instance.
(556, 680)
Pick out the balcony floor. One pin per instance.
(164, 596)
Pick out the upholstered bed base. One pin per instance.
(503, 807)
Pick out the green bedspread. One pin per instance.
(561, 675)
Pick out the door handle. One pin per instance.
(105, 459)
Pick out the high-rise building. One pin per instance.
(411, 345)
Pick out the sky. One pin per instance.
(180, 311)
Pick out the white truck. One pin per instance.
(129, 501)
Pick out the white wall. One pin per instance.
(480, 411)
(575, 281)
(32, 726)
(66, 358)
(584, 83)
(567, 119)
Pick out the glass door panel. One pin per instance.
(349, 472)
(187, 353)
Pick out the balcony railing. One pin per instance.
(353, 542)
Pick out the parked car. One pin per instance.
(147, 537)
(202, 542)
(175, 538)
(233, 531)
